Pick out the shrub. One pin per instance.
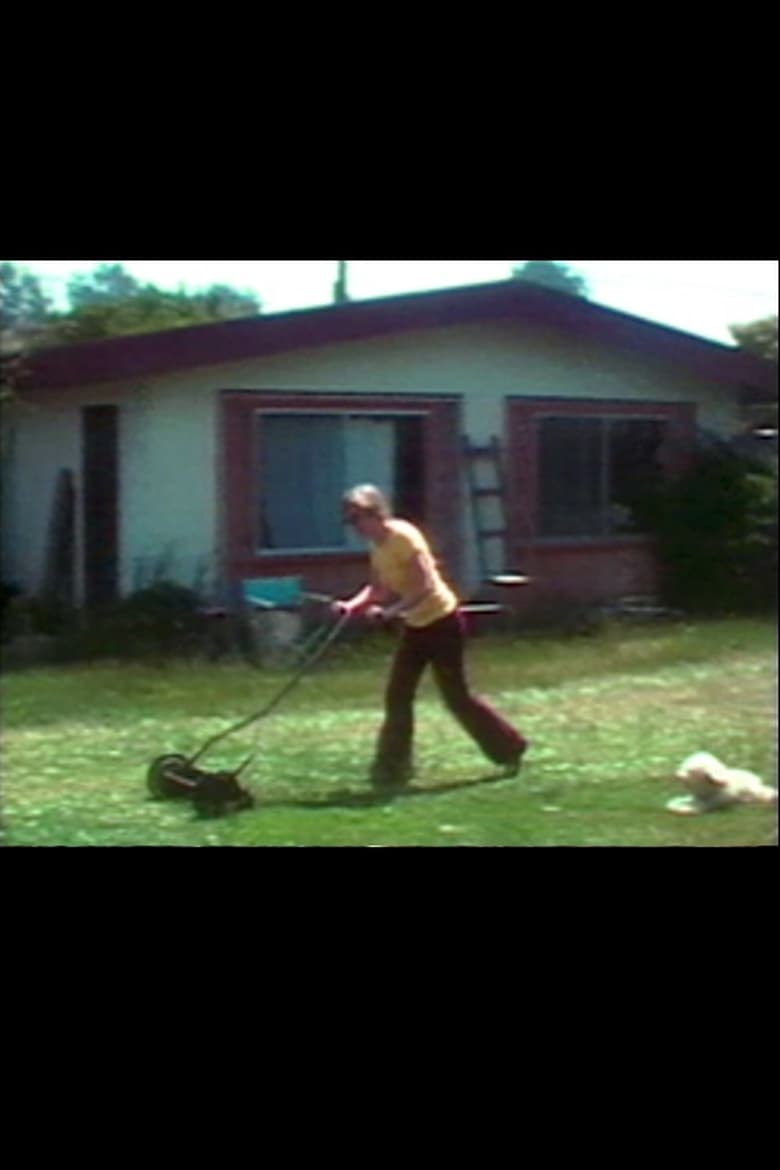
(24, 615)
(716, 536)
(162, 619)
(8, 592)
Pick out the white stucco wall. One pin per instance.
(167, 453)
(168, 516)
(168, 430)
(484, 364)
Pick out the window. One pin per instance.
(305, 462)
(592, 470)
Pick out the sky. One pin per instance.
(702, 297)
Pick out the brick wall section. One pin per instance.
(582, 571)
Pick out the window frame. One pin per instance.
(240, 558)
(310, 412)
(523, 423)
(605, 470)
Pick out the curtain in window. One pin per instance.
(571, 477)
(592, 471)
(302, 462)
(306, 464)
(369, 458)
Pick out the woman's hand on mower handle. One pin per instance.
(360, 603)
(374, 613)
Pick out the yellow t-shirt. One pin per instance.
(390, 561)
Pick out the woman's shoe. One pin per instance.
(384, 779)
(514, 763)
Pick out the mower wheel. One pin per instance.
(170, 777)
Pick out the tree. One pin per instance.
(109, 302)
(23, 303)
(25, 312)
(759, 337)
(25, 315)
(108, 284)
(552, 274)
(220, 302)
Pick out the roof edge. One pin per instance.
(131, 356)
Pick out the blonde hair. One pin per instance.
(367, 498)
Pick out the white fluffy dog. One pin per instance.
(711, 785)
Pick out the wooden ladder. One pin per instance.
(487, 488)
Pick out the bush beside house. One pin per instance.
(715, 532)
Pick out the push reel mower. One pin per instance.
(175, 777)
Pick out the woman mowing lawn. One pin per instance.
(404, 569)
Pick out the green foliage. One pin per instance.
(25, 315)
(759, 337)
(107, 285)
(110, 302)
(158, 621)
(715, 530)
(23, 303)
(8, 592)
(552, 274)
(23, 614)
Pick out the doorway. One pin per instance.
(100, 448)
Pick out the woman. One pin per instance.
(404, 569)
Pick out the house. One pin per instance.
(210, 454)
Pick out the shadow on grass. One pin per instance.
(347, 798)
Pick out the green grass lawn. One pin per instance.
(610, 718)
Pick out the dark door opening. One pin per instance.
(100, 434)
(410, 469)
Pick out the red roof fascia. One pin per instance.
(145, 355)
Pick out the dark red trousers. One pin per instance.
(439, 645)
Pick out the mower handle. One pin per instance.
(282, 694)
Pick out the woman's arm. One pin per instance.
(370, 595)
